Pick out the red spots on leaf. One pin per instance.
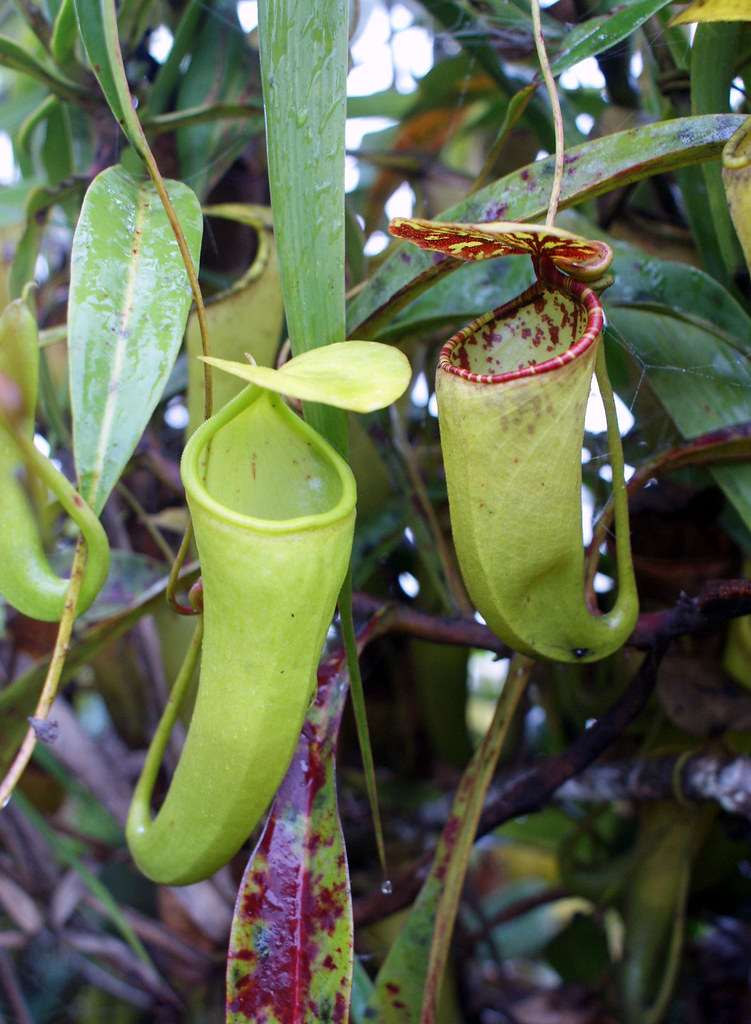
(290, 939)
(495, 211)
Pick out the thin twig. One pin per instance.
(153, 531)
(718, 601)
(529, 791)
(555, 106)
(49, 690)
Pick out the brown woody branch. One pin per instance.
(530, 790)
(718, 601)
(729, 783)
(725, 781)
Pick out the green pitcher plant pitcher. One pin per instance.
(28, 581)
(273, 508)
(512, 391)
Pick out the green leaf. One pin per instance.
(64, 33)
(598, 34)
(14, 56)
(736, 175)
(128, 304)
(690, 341)
(304, 70)
(169, 74)
(97, 24)
(592, 169)
(357, 375)
(39, 201)
(713, 55)
(221, 70)
(58, 150)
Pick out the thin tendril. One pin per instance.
(547, 74)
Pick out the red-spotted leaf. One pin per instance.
(574, 255)
(290, 953)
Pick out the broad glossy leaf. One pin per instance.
(645, 281)
(304, 69)
(290, 953)
(127, 308)
(358, 375)
(590, 170)
(713, 10)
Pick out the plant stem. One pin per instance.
(555, 106)
(349, 640)
(174, 576)
(49, 690)
(452, 855)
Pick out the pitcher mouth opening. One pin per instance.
(547, 326)
(266, 455)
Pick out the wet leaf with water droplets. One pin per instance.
(127, 308)
(290, 953)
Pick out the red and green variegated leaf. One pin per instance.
(290, 952)
(592, 169)
(574, 255)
